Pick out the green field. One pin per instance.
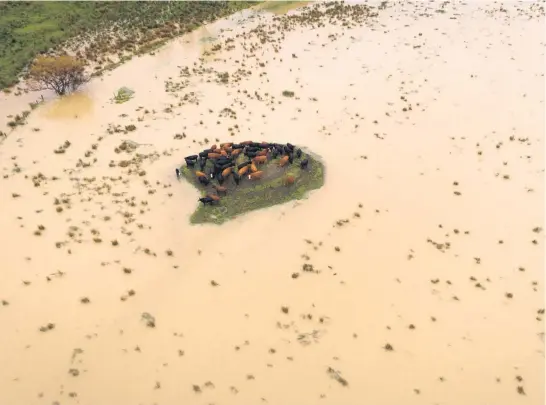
(256, 194)
(30, 28)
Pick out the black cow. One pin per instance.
(244, 164)
(224, 158)
(230, 164)
(304, 163)
(236, 177)
(203, 180)
(177, 171)
(206, 200)
(252, 149)
(202, 163)
(189, 162)
(298, 153)
(216, 169)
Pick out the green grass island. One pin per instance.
(278, 185)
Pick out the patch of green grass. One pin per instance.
(30, 28)
(252, 195)
(45, 26)
(282, 7)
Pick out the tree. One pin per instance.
(62, 74)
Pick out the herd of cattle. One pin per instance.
(224, 164)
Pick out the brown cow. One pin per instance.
(213, 196)
(256, 175)
(223, 152)
(226, 171)
(283, 161)
(246, 143)
(260, 159)
(225, 145)
(253, 168)
(288, 180)
(235, 152)
(220, 189)
(199, 174)
(214, 155)
(213, 147)
(243, 170)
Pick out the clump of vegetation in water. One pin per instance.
(18, 120)
(252, 195)
(124, 94)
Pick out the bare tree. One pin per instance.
(62, 74)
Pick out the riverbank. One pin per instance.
(104, 34)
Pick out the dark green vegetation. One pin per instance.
(252, 195)
(30, 28)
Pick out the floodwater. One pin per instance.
(426, 238)
(71, 106)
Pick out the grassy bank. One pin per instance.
(30, 28)
(254, 195)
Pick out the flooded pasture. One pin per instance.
(413, 276)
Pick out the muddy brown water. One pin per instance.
(431, 127)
